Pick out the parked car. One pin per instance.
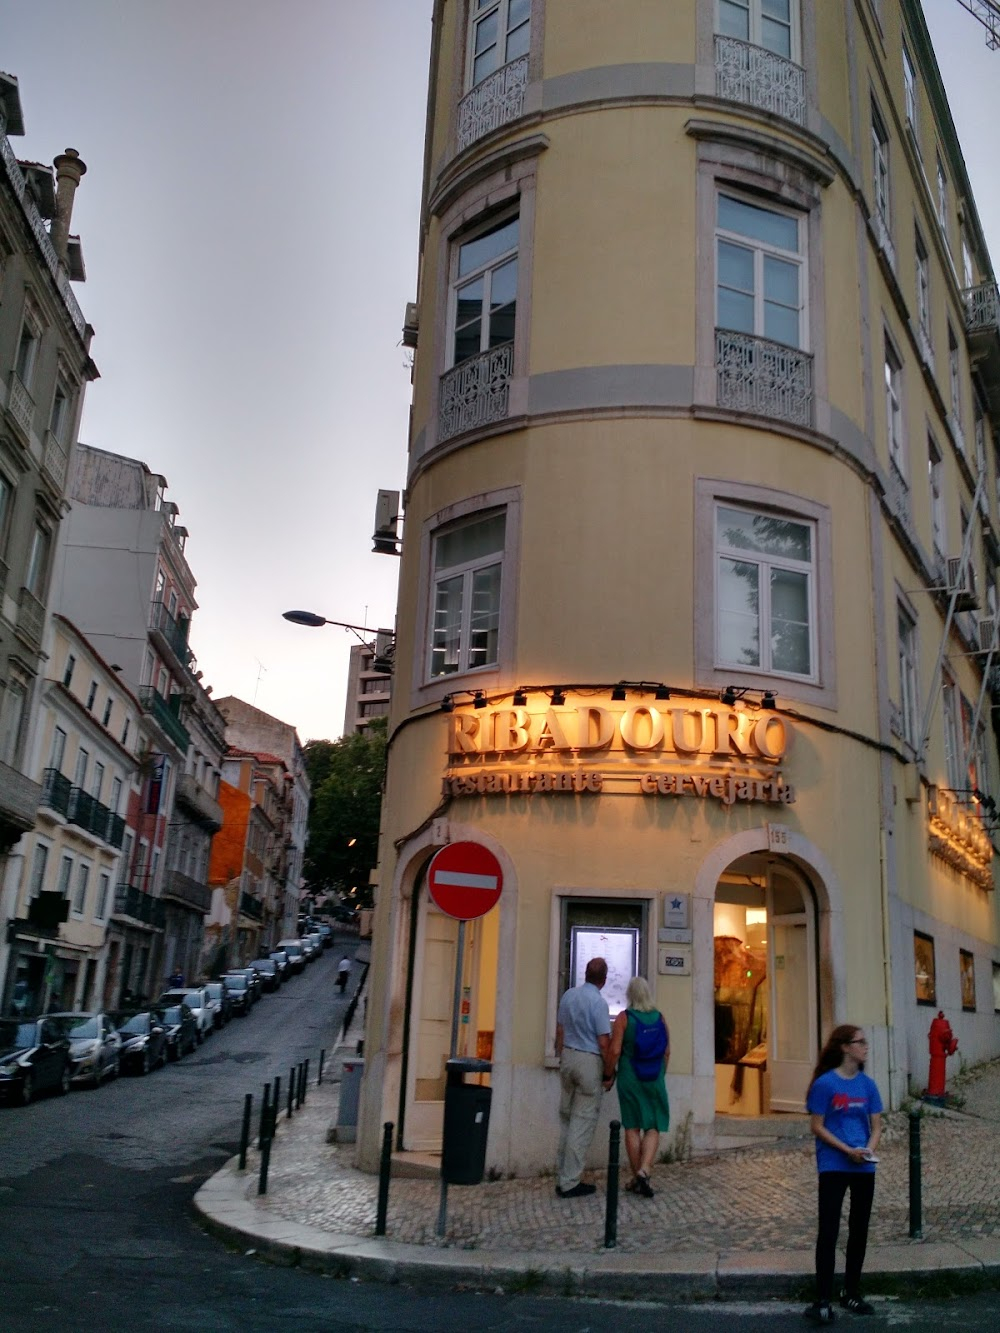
(218, 993)
(144, 1040)
(196, 999)
(34, 1056)
(237, 985)
(270, 975)
(281, 958)
(181, 1028)
(296, 953)
(326, 934)
(253, 977)
(316, 940)
(94, 1047)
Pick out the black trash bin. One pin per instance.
(466, 1123)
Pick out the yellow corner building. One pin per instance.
(697, 627)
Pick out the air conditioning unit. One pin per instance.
(385, 539)
(962, 584)
(411, 324)
(984, 632)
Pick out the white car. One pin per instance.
(199, 1002)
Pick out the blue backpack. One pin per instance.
(649, 1049)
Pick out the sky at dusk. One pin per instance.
(249, 226)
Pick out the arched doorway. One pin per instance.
(766, 993)
(432, 1008)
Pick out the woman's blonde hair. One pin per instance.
(639, 995)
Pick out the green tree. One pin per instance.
(346, 778)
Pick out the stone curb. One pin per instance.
(226, 1210)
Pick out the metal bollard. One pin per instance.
(275, 1105)
(291, 1091)
(265, 1116)
(265, 1161)
(305, 1079)
(298, 1085)
(245, 1131)
(319, 1075)
(611, 1209)
(384, 1166)
(916, 1207)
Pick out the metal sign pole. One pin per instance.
(453, 1051)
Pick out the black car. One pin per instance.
(281, 958)
(238, 986)
(326, 933)
(144, 1040)
(219, 993)
(270, 973)
(181, 1028)
(253, 981)
(34, 1055)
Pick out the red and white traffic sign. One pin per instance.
(465, 880)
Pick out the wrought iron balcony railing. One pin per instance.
(153, 702)
(982, 308)
(766, 378)
(251, 907)
(760, 78)
(173, 630)
(56, 788)
(19, 799)
(132, 902)
(31, 618)
(476, 392)
(187, 891)
(496, 101)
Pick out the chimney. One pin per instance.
(69, 168)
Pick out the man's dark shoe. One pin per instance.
(856, 1304)
(577, 1192)
(820, 1314)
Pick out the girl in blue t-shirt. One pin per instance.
(845, 1115)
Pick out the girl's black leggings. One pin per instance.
(833, 1185)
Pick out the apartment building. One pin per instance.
(697, 623)
(45, 366)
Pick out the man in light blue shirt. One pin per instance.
(583, 1038)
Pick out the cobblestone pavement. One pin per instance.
(740, 1201)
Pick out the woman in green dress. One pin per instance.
(642, 1092)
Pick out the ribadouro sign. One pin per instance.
(680, 750)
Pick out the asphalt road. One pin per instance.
(97, 1231)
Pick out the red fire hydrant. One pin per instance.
(942, 1044)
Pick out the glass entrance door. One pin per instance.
(792, 1034)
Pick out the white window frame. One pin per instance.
(63, 405)
(65, 876)
(103, 893)
(7, 492)
(756, 23)
(761, 249)
(467, 571)
(880, 165)
(910, 91)
(484, 271)
(935, 481)
(36, 574)
(923, 287)
(979, 436)
(908, 648)
(80, 768)
(766, 563)
(894, 408)
(968, 275)
(487, 8)
(79, 907)
(58, 751)
(942, 197)
(13, 710)
(955, 376)
(97, 780)
(39, 862)
(29, 340)
(952, 732)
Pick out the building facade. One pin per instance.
(45, 366)
(697, 610)
(368, 690)
(63, 876)
(124, 579)
(251, 729)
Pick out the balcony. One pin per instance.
(884, 239)
(766, 378)
(143, 907)
(476, 392)
(165, 716)
(496, 101)
(56, 788)
(193, 796)
(899, 495)
(31, 619)
(87, 813)
(174, 632)
(55, 461)
(21, 406)
(759, 78)
(982, 329)
(188, 892)
(251, 907)
(19, 799)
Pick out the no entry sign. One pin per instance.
(465, 880)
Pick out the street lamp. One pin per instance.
(385, 640)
